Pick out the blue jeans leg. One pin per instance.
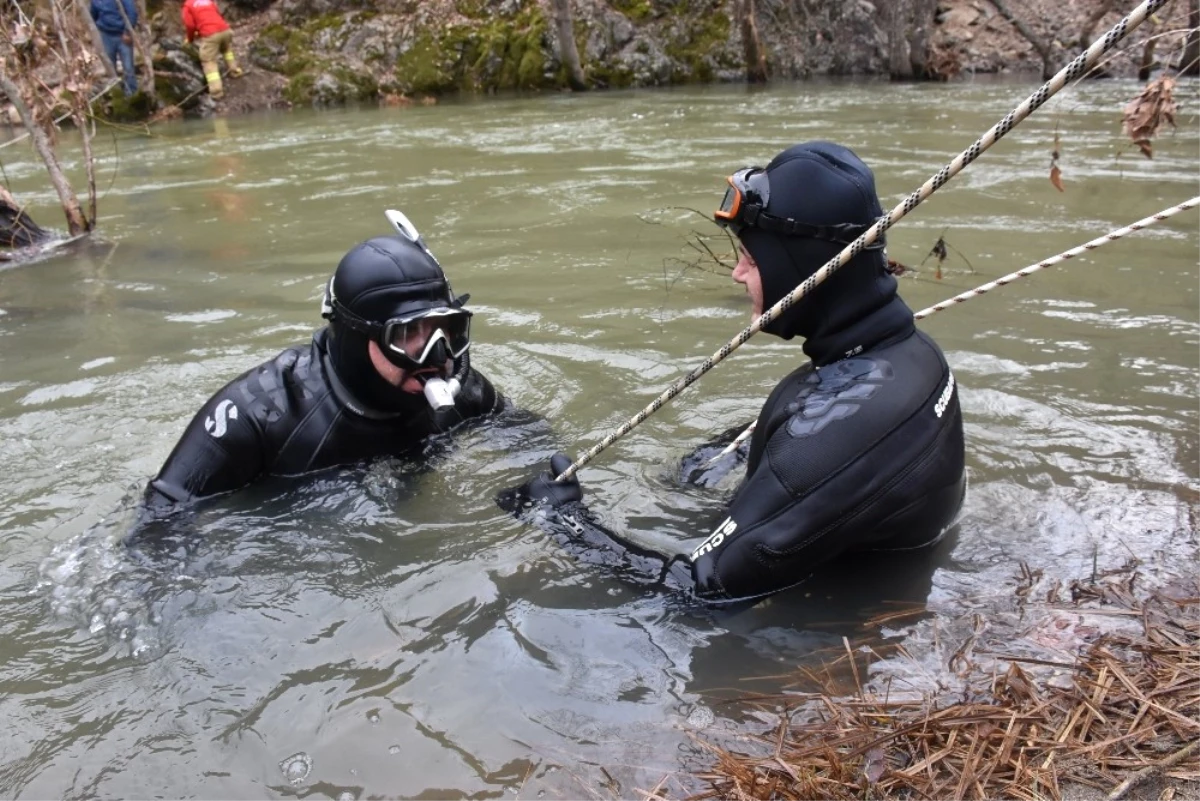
(117, 50)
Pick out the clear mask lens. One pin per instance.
(418, 337)
(727, 202)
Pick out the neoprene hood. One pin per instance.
(378, 280)
(822, 184)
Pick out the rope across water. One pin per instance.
(1078, 66)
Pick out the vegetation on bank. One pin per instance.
(1105, 704)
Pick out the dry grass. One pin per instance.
(1125, 712)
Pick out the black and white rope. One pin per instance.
(1008, 279)
(1081, 64)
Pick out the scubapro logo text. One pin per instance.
(939, 408)
(716, 538)
(217, 423)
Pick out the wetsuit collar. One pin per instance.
(346, 398)
(892, 320)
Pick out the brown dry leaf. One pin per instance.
(1146, 113)
(1056, 177)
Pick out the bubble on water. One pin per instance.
(296, 767)
(701, 718)
(92, 580)
(346, 797)
(372, 716)
(395, 749)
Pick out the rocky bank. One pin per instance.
(332, 52)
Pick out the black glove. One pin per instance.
(543, 488)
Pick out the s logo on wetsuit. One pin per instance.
(216, 425)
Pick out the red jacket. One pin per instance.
(201, 18)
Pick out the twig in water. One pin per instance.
(1151, 771)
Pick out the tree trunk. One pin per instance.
(77, 223)
(923, 13)
(1039, 44)
(899, 63)
(1147, 65)
(1189, 63)
(97, 42)
(1089, 27)
(16, 229)
(752, 50)
(565, 24)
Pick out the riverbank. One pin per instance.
(1089, 690)
(335, 52)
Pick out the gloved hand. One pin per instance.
(543, 488)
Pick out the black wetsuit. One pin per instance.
(864, 452)
(860, 449)
(292, 415)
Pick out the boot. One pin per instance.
(212, 74)
(234, 70)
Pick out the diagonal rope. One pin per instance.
(1112, 236)
(1078, 66)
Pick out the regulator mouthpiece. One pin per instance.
(440, 392)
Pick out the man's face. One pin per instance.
(419, 333)
(746, 273)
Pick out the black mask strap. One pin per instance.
(842, 234)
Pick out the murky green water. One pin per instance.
(389, 632)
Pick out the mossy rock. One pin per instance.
(607, 76)
(425, 67)
(636, 10)
(283, 49)
(299, 89)
(473, 9)
(358, 86)
(169, 92)
(330, 86)
(505, 53)
(135, 108)
(695, 48)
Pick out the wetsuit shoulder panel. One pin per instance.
(848, 447)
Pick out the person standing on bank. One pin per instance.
(117, 36)
(861, 449)
(202, 20)
(390, 369)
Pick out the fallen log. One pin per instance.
(17, 230)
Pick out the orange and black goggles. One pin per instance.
(745, 201)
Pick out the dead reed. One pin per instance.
(1122, 718)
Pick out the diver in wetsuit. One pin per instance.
(861, 449)
(390, 369)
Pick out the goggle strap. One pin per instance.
(353, 321)
(842, 234)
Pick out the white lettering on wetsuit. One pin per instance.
(216, 425)
(727, 527)
(942, 402)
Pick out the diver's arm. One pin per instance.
(771, 537)
(220, 451)
(558, 509)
